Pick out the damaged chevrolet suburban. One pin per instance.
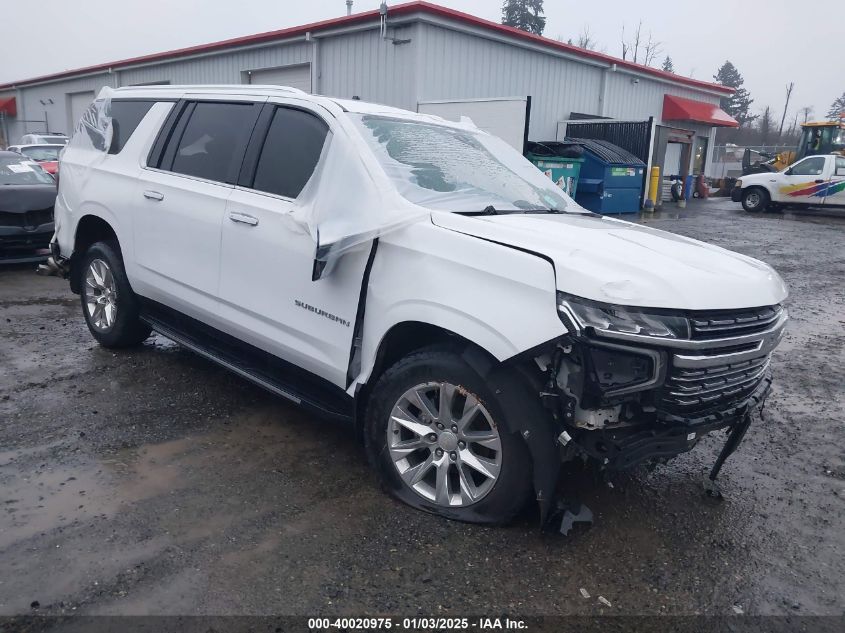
(414, 276)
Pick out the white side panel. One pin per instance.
(504, 118)
(298, 76)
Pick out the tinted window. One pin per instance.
(809, 167)
(213, 140)
(126, 115)
(290, 153)
(840, 165)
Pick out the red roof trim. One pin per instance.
(400, 9)
(680, 109)
(8, 106)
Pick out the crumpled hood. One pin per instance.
(610, 260)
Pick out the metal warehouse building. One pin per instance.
(422, 57)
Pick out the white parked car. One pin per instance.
(414, 276)
(43, 139)
(813, 181)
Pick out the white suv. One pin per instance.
(414, 276)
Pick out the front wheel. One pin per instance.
(110, 307)
(436, 434)
(755, 199)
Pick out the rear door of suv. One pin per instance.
(180, 199)
(267, 259)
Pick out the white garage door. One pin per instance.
(78, 102)
(504, 117)
(298, 76)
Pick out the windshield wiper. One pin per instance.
(488, 210)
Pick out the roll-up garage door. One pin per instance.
(506, 118)
(78, 103)
(298, 76)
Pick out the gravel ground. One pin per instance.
(151, 481)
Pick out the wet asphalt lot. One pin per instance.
(151, 481)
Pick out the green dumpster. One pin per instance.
(559, 161)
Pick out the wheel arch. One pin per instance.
(90, 229)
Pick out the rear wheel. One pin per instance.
(109, 306)
(438, 439)
(755, 199)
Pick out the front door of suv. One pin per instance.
(266, 291)
(180, 199)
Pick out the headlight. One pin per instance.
(739, 183)
(605, 317)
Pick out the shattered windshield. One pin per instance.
(452, 169)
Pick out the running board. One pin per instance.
(251, 363)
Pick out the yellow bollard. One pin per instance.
(654, 185)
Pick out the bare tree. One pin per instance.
(806, 113)
(637, 39)
(651, 51)
(785, 106)
(586, 39)
(765, 124)
(624, 44)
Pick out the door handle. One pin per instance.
(819, 182)
(243, 218)
(154, 195)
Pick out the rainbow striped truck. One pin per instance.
(813, 181)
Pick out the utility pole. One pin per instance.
(785, 106)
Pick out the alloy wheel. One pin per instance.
(444, 444)
(100, 295)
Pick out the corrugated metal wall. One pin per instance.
(365, 65)
(628, 100)
(437, 63)
(461, 66)
(30, 104)
(223, 68)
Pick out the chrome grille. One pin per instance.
(696, 388)
(728, 324)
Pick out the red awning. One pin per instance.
(680, 109)
(8, 106)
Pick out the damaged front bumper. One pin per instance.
(624, 399)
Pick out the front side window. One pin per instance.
(18, 170)
(809, 167)
(290, 153)
(210, 144)
(453, 169)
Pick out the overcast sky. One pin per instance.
(771, 42)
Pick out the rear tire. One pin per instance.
(110, 307)
(755, 199)
(436, 435)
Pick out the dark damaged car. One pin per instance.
(27, 196)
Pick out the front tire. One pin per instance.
(755, 199)
(437, 437)
(110, 307)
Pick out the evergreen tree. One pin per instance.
(837, 108)
(668, 66)
(738, 105)
(524, 14)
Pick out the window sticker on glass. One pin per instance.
(20, 168)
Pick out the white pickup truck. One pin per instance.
(812, 181)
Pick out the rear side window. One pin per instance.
(125, 117)
(213, 140)
(290, 153)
